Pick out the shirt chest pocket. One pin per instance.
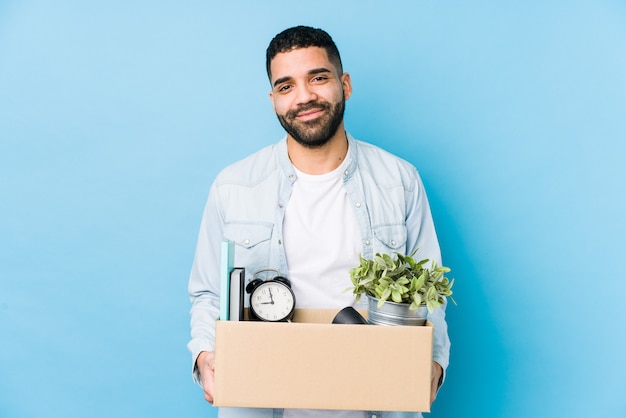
(390, 238)
(252, 242)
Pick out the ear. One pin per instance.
(272, 100)
(347, 85)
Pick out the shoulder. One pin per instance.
(385, 165)
(371, 152)
(251, 169)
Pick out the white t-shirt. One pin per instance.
(322, 243)
(322, 240)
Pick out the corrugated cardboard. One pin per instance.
(313, 364)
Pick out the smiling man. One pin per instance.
(309, 94)
(308, 206)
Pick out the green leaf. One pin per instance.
(431, 293)
(420, 281)
(402, 280)
(417, 299)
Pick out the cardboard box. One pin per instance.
(313, 364)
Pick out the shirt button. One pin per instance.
(246, 242)
(393, 242)
(358, 204)
(367, 242)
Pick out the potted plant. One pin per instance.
(400, 289)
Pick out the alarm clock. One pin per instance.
(271, 300)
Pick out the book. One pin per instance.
(227, 259)
(237, 280)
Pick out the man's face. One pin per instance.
(308, 95)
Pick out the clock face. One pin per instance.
(272, 301)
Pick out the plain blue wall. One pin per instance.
(115, 116)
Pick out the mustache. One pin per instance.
(306, 107)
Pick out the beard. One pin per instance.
(315, 133)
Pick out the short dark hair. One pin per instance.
(302, 37)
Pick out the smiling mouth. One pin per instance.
(310, 114)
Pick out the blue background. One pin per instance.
(116, 115)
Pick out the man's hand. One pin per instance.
(434, 384)
(206, 368)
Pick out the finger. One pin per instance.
(208, 393)
(209, 384)
(434, 384)
(433, 391)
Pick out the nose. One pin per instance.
(306, 94)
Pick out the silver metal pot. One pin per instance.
(392, 313)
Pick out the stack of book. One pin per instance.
(232, 281)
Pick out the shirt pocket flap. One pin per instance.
(393, 236)
(248, 235)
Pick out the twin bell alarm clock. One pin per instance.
(271, 300)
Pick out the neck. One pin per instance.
(319, 160)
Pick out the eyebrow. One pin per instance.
(311, 72)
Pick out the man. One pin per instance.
(308, 206)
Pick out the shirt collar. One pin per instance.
(290, 173)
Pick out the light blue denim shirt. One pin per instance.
(247, 202)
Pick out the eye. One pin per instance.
(284, 88)
(319, 79)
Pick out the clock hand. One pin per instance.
(271, 297)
